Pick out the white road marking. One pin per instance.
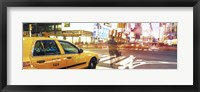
(138, 60)
(102, 56)
(164, 62)
(152, 62)
(142, 62)
(105, 58)
(114, 59)
(127, 62)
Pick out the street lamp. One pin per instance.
(30, 29)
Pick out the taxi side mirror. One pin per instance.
(80, 50)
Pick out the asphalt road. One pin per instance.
(143, 59)
(170, 56)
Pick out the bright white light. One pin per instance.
(52, 36)
(79, 26)
(145, 34)
(155, 27)
(114, 25)
(145, 26)
(60, 37)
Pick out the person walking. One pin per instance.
(112, 46)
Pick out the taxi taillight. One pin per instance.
(26, 64)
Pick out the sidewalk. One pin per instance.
(168, 48)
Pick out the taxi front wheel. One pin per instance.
(92, 64)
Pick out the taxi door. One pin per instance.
(72, 55)
(47, 55)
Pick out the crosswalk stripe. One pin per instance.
(114, 60)
(106, 58)
(102, 56)
(124, 62)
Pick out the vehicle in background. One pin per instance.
(134, 46)
(172, 42)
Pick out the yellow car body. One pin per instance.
(51, 53)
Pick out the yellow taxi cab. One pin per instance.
(51, 53)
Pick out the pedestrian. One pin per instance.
(154, 41)
(112, 46)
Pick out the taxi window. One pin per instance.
(68, 47)
(38, 49)
(46, 47)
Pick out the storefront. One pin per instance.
(38, 29)
(77, 36)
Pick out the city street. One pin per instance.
(144, 59)
(135, 45)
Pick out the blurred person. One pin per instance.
(154, 41)
(113, 51)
